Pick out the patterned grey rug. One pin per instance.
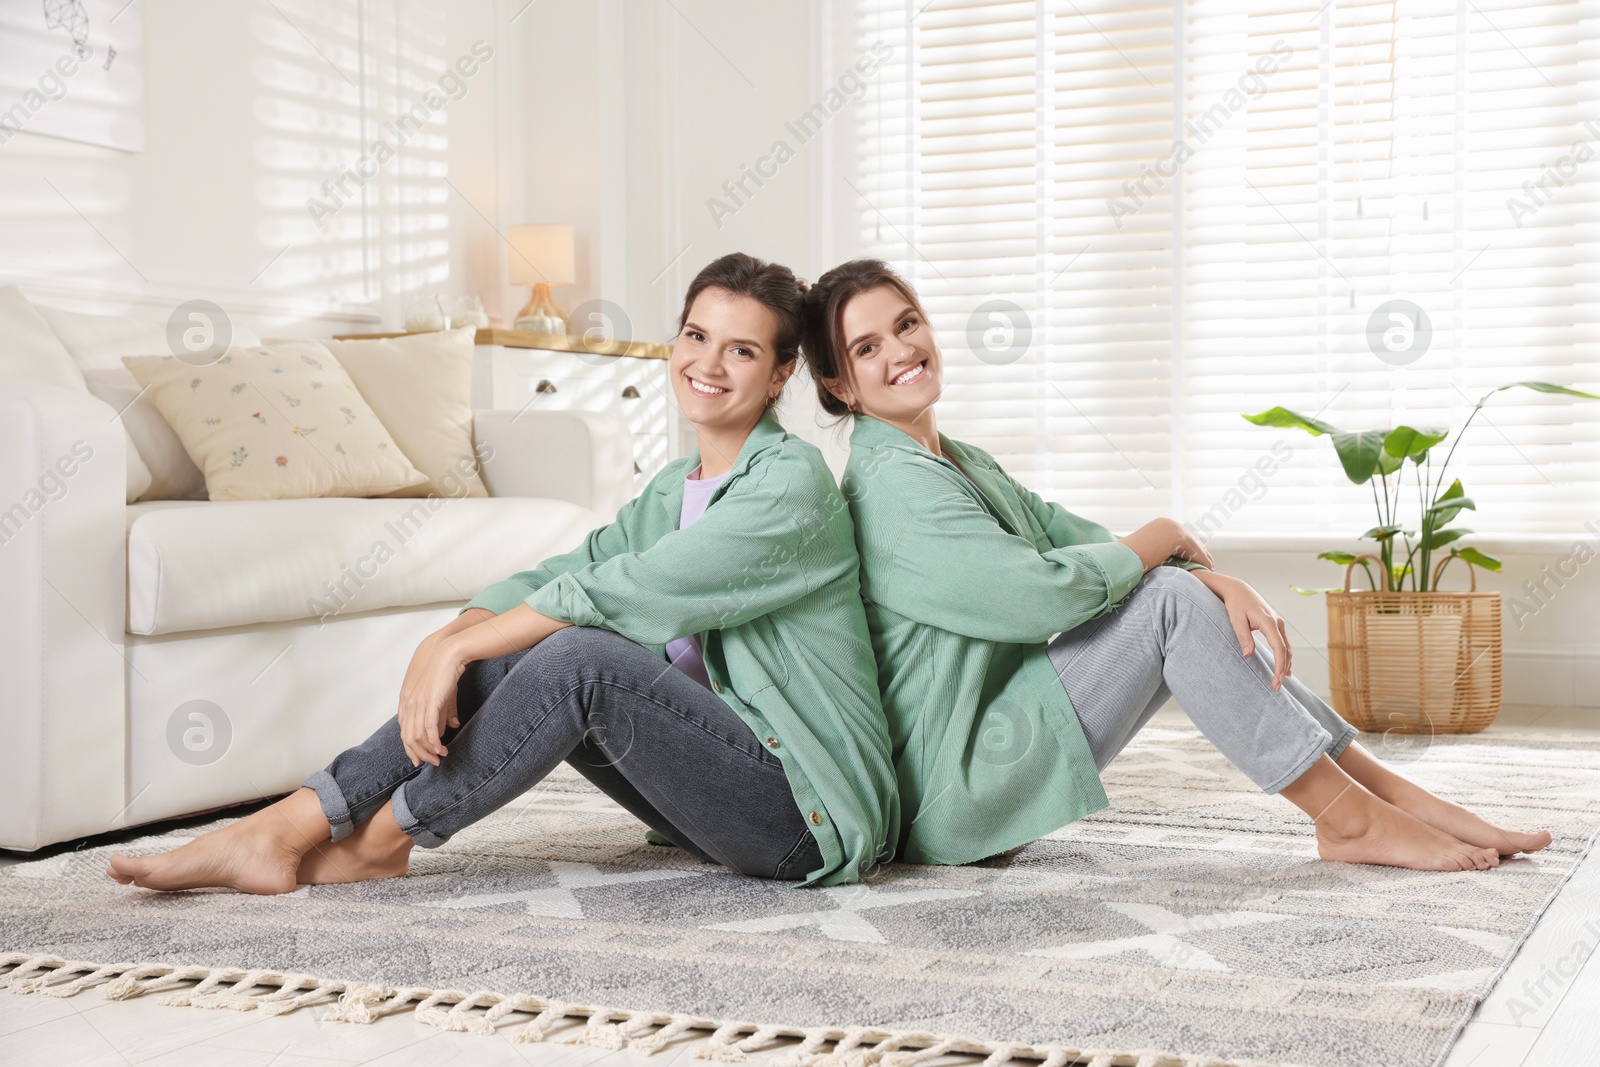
(1192, 919)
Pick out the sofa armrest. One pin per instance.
(63, 720)
(585, 457)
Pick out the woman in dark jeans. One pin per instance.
(703, 659)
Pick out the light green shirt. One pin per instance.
(965, 582)
(769, 578)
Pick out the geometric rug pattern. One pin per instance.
(1193, 917)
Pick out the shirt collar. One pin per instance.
(870, 432)
(768, 431)
(974, 471)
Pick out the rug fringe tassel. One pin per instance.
(650, 1044)
(539, 1028)
(645, 1033)
(366, 1002)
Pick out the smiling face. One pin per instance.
(724, 363)
(891, 365)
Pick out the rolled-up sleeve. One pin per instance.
(752, 552)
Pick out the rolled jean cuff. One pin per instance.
(334, 807)
(408, 822)
(1317, 751)
(1347, 735)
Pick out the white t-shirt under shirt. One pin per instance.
(684, 653)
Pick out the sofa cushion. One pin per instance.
(420, 387)
(97, 344)
(30, 351)
(203, 565)
(247, 419)
(173, 475)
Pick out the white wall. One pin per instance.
(248, 112)
(1552, 650)
(621, 118)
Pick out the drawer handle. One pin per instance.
(545, 386)
(630, 393)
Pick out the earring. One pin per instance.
(772, 401)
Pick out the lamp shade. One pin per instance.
(542, 254)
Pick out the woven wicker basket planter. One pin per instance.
(1415, 663)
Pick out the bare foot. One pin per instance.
(1460, 823)
(376, 848)
(238, 856)
(1362, 828)
(1437, 812)
(257, 854)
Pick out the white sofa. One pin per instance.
(170, 657)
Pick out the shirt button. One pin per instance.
(816, 819)
(772, 742)
(716, 685)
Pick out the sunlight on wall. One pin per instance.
(354, 158)
(258, 188)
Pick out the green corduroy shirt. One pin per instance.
(965, 582)
(769, 577)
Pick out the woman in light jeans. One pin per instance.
(1000, 728)
(703, 659)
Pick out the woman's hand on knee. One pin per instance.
(1249, 612)
(428, 700)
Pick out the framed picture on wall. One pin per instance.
(73, 69)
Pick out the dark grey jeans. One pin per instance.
(660, 744)
(1171, 637)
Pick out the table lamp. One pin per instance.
(542, 256)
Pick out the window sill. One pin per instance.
(1553, 544)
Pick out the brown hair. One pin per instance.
(772, 285)
(824, 334)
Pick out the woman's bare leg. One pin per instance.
(1355, 826)
(1437, 812)
(377, 848)
(258, 854)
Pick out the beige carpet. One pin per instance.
(1192, 919)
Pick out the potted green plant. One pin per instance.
(1404, 655)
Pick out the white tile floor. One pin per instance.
(1541, 1014)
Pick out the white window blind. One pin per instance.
(1198, 208)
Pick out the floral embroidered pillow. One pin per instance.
(277, 421)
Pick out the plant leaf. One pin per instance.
(1479, 559)
(1441, 514)
(1432, 539)
(1388, 464)
(1544, 387)
(1338, 557)
(1358, 452)
(1446, 506)
(1382, 533)
(1405, 442)
(1291, 420)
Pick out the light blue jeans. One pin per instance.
(1170, 637)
